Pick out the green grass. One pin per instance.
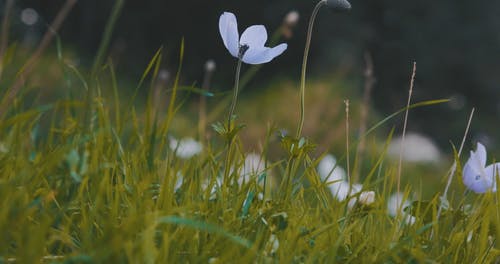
(87, 175)
(69, 195)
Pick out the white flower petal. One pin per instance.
(186, 147)
(481, 154)
(254, 36)
(493, 172)
(228, 28)
(255, 55)
(475, 178)
(329, 170)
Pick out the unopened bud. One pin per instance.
(338, 5)
(367, 198)
(164, 75)
(292, 18)
(210, 66)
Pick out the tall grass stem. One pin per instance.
(401, 147)
(304, 66)
(26, 69)
(5, 32)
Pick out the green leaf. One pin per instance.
(203, 226)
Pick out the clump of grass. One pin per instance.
(92, 180)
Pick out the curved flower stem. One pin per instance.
(230, 136)
(304, 65)
(235, 93)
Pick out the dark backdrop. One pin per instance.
(456, 44)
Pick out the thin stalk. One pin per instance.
(103, 47)
(235, 94)
(454, 166)
(26, 69)
(347, 141)
(414, 71)
(304, 66)
(369, 83)
(5, 32)
(230, 135)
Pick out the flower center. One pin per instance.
(242, 50)
(478, 177)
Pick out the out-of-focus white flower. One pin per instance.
(365, 198)
(417, 148)
(397, 203)
(329, 170)
(213, 191)
(476, 176)
(29, 16)
(185, 148)
(253, 166)
(250, 47)
(341, 190)
(272, 245)
(291, 18)
(210, 66)
(179, 180)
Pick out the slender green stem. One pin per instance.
(304, 65)
(229, 118)
(235, 94)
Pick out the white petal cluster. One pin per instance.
(476, 175)
(185, 148)
(396, 204)
(336, 177)
(253, 38)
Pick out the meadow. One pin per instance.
(91, 172)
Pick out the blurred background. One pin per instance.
(455, 43)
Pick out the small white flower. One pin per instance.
(210, 66)
(250, 47)
(252, 168)
(216, 185)
(367, 198)
(396, 203)
(272, 245)
(341, 190)
(329, 170)
(476, 176)
(185, 148)
(292, 18)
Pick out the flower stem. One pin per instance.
(304, 66)
(229, 132)
(235, 94)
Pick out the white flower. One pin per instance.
(395, 204)
(250, 47)
(367, 198)
(417, 148)
(253, 167)
(292, 18)
(185, 148)
(213, 191)
(476, 176)
(210, 66)
(328, 169)
(341, 190)
(272, 245)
